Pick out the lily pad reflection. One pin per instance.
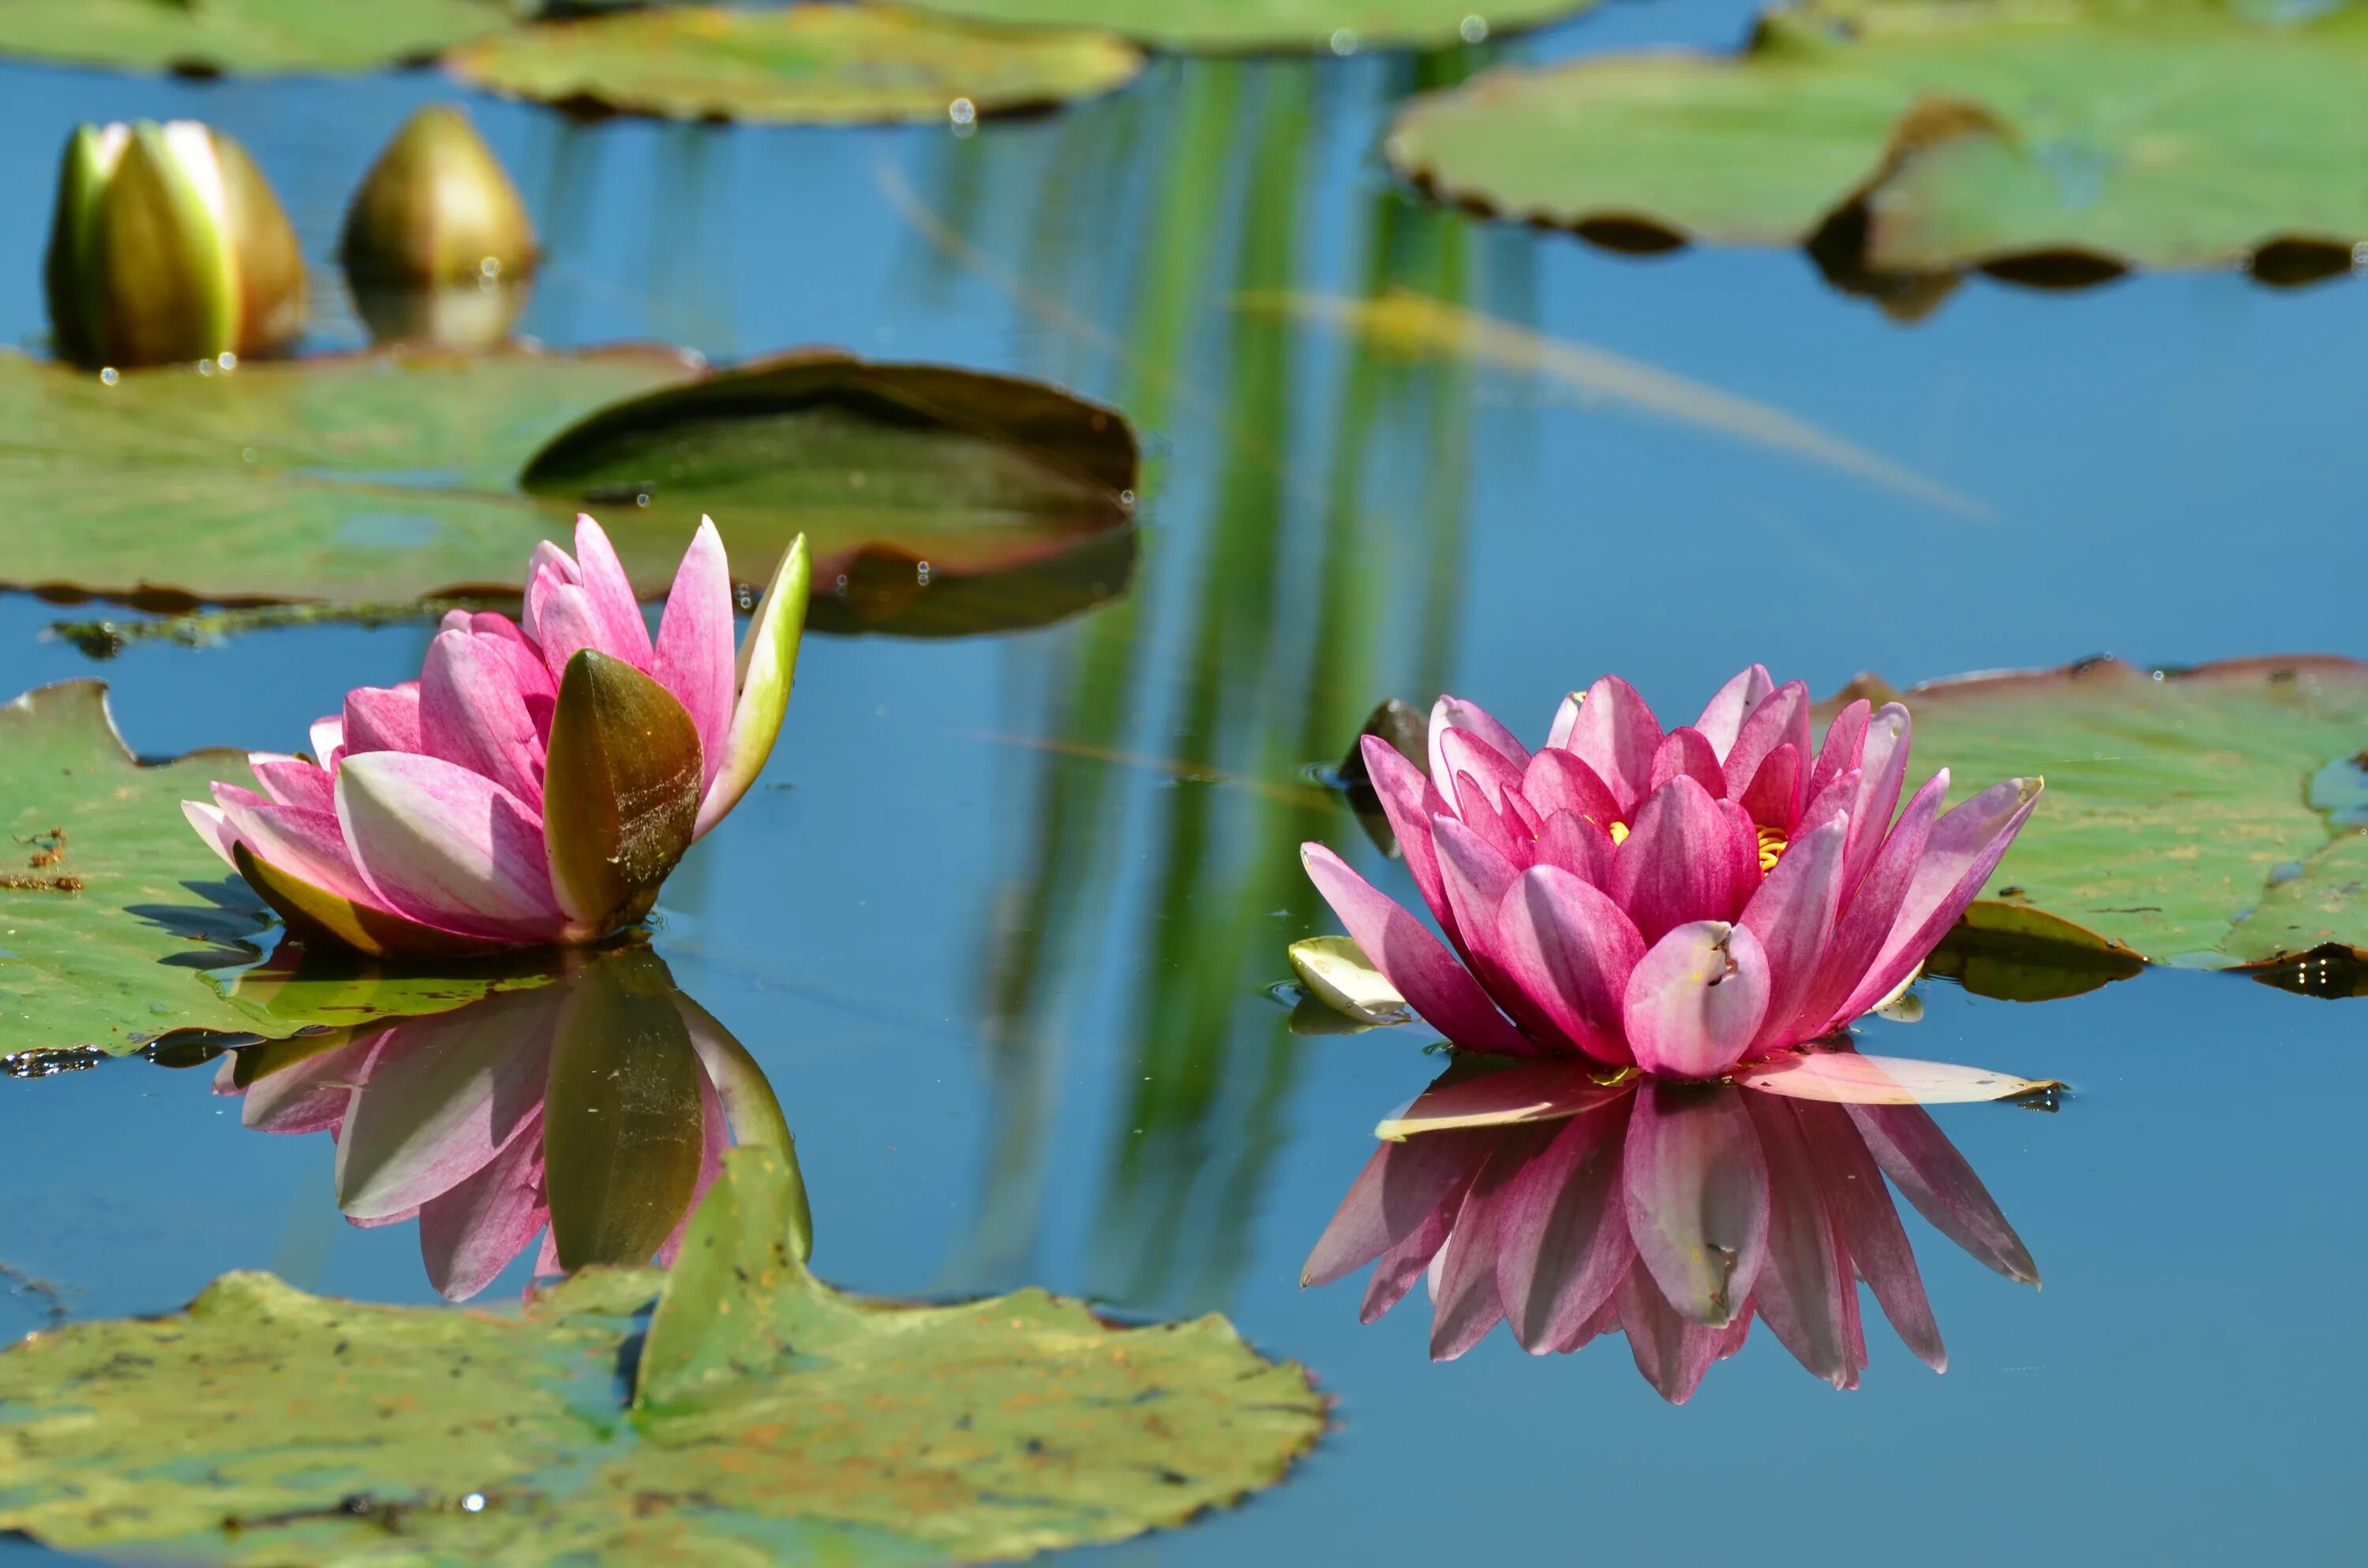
(1676, 1214)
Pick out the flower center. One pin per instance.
(1619, 831)
(1773, 844)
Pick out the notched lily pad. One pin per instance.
(2178, 825)
(265, 1425)
(936, 501)
(2032, 137)
(243, 37)
(1244, 26)
(804, 64)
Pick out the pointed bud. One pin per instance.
(437, 207)
(168, 245)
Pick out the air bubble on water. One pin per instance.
(206, 367)
(1344, 41)
(489, 267)
(1473, 29)
(226, 360)
(109, 376)
(921, 572)
(474, 1503)
(963, 113)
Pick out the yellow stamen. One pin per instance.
(1619, 831)
(1773, 844)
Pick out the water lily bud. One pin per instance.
(435, 208)
(471, 315)
(168, 245)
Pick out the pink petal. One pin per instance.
(212, 827)
(1397, 1270)
(624, 635)
(1907, 1144)
(382, 719)
(1563, 1244)
(1686, 753)
(1570, 950)
(694, 659)
(1792, 917)
(472, 713)
(328, 737)
(1466, 1305)
(569, 623)
(1460, 752)
(548, 570)
(1869, 1226)
(1781, 719)
(1848, 1077)
(1777, 793)
(1412, 959)
(293, 781)
(1674, 1354)
(1557, 781)
(1576, 846)
(1695, 1000)
(1689, 857)
(1721, 716)
(1410, 801)
(309, 845)
(1475, 811)
(452, 847)
(1477, 878)
(1551, 1090)
(1452, 713)
(1965, 847)
(1398, 1189)
(1867, 915)
(1616, 735)
(1697, 1199)
(469, 1233)
(311, 1096)
(1883, 772)
(1805, 1293)
(1844, 747)
(1565, 721)
(444, 1095)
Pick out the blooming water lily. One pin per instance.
(1680, 903)
(540, 779)
(1568, 1208)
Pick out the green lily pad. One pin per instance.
(1231, 26)
(804, 64)
(245, 37)
(2206, 818)
(268, 1426)
(127, 929)
(1921, 137)
(377, 477)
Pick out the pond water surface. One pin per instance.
(1001, 921)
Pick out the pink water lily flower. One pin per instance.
(1680, 901)
(540, 779)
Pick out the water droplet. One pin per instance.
(248, 455)
(1126, 497)
(1472, 30)
(474, 1503)
(109, 376)
(962, 112)
(1344, 41)
(921, 572)
(489, 268)
(226, 360)
(205, 367)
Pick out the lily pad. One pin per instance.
(375, 477)
(245, 37)
(2203, 818)
(1242, 25)
(120, 928)
(1921, 137)
(265, 1425)
(804, 64)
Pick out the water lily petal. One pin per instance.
(1696, 1191)
(1460, 752)
(1550, 1090)
(447, 846)
(1504, 831)
(1781, 719)
(1565, 721)
(445, 1095)
(1575, 845)
(1967, 845)
(308, 1096)
(767, 666)
(1926, 1167)
(1451, 714)
(569, 623)
(304, 844)
(212, 827)
(624, 635)
(1571, 951)
(1868, 1224)
(1868, 912)
(1849, 1077)
(1805, 1293)
(622, 793)
(1410, 801)
(1844, 746)
(1883, 768)
(1792, 915)
(1477, 876)
(318, 917)
(1563, 1244)
(1465, 1304)
(474, 712)
(1686, 752)
(293, 781)
(1391, 1198)
(1691, 858)
(1424, 971)
(470, 1233)
(1695, 1000)
(1616, 735)
(1556, 780)
(694, 657)
(1395, 1270)
(382, 719)
(1721, 716)
(1778, 792)
(328, 737)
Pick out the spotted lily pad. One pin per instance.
(119, 927)
(2205, 818)
(938, 499)
(245, 37)
(804, 64)
(776, 1420)
(1226, 26)
(1922, 136)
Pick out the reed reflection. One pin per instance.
(591, 1112)
(1676, 1214)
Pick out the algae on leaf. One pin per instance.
(243, 37)
(806, 65)
(1924, 135)
(2179, 824)
(1242, 25)
(778, 1421)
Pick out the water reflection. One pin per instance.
(1674, 1214)
(592, 1112)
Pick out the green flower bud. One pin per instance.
(168, 245)
(437, 207)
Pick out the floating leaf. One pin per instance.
(1337, 973)
(804, 64)
(2179, 825)
(2014, 953)
(245, 37)
(937, 500)
(125, 926)
(265, 1425)
(1229, 26)
(1922, 137)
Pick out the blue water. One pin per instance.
(1012, 997)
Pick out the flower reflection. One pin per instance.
(592, 1111)
(1569, 1207)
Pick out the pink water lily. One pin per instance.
(1682, 901)
(540, 779)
